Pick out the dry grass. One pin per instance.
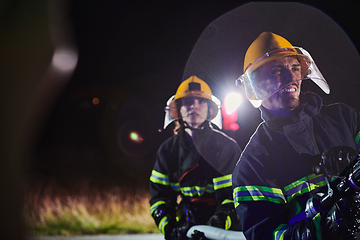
(53, 210)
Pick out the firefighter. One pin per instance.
(275, 175)
(195, 165)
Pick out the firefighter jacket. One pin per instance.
(199, 172)
(274, 176)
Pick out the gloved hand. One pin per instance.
(176, 232)
(224, 217)
(219, 219)
(303, 230)
(336, 159)
(166, 214)
(342, 221)
(197, 235)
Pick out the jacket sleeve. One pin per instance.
(225, 204)
(259, 203)
(354, 123)
(347, 118)
(227, 154)
(270, 223)
(223, 189)
(162, 191)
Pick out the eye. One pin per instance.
(187, 101)
(202, 101)
(295, 69)
(275, 71)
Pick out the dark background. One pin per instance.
(132, 56)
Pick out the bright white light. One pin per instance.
(232, 102)
(64, 59)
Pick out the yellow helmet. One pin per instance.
(192, 87)
(268, 43)
(267, 47)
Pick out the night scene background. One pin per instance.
(70, 123)
(131, 59)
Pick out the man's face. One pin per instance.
(194, 111)
(281, 72)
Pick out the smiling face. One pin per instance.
(194, 111)
(283, 74)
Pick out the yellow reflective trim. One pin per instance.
(155, 205)
(317, 223)
(196, 190)
(175, 186)
(280, 232)
(228, 223)
(300, 181)
(357, 138)
(223, 182)
(227, 201)
(159, 174)
(157, 177)
(162, 224)
(304, 185)
(258, 193)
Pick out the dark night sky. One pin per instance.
(132, 57)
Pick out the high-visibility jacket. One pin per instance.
(202, 179)
(274, 177)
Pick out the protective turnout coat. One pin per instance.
(274, 176)
(200, 173)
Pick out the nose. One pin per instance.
(288, 76)
(293, 75)
(195, 103)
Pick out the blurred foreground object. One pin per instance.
(37, 59)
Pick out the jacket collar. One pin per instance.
(310, 105)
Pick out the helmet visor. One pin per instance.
(168, 117)
(270, 73)
(171, 112)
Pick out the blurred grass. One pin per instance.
(54, 210)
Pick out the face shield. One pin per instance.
(171, 112)
(168, 117)
(264, 77)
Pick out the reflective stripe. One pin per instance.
(196, 190)
(175, 186)
(162, 224)
(357, 138)
(317, 223)
(222, 182)
(258, 193)
(280, 231)
(227, 201)
(155, 205)
(297, 188)
(304, 185)
(159, 178)
(228, 223)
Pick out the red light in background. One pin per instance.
(230, 111)
(95, 101)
